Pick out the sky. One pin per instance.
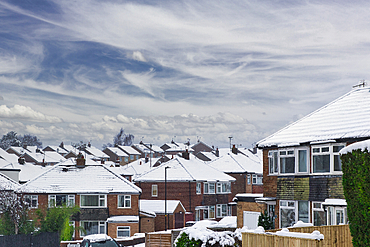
(174, 70)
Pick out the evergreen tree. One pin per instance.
(265, 221)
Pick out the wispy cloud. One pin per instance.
(265, 63)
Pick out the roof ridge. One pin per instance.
(308, 115)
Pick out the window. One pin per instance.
(197, 215)
(287, 213)
(124, 201)
(254, 178)
(123, 231)
(302, 161)
(126, 159)
(273, 162)
(248, 179)
(93, 201)
(93, 227)
(293, 211)
(209, 188)
(221, 210)
(199, 188)
(257, 179)
(154, 190)
(132, 156)
(318, 214)
(223, 187)
(337, 215)
(287, 161)
(32, 200)
(61, 200)
(209, 212)
(326, 158)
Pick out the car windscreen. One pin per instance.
(109, 243)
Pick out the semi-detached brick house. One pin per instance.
(302, 170)
(108, 202)
(203, 190)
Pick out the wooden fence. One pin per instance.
(155, 239)
(333, 235)
(255, 239)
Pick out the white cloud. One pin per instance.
(25, 112)
(137, 55)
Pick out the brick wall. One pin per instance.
(113, 206)
(112, 228)
(147, 224)
(247, 206)
(269, 182)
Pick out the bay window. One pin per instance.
(92, 227)
(221, 210)
(293, 211)
(209, 212)
(318, 214)
(61, 200)
(123, 231)
(326, 158)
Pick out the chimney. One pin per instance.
(234, 150)
(186, 155)
(89, 145)
(217, 153)
(21, 160)
(146, 159)
(80, 161)
(61, 145)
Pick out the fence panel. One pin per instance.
(338, 235)
(158, 239)
(255, 239)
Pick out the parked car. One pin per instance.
(99, 240)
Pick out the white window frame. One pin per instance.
(70, 200)
(32, 198)
(154, 189)
(223, 188)
(125, 198)
(123, 229)
(290, 152)
(273, 158)
(317, 209)
(331, 154)
(285, 204)
(100, 225)
(248, 179)
(207, 188)
(331, 217)
(257, 179)
(199, 188)
(220, 213)
(209, 209)
(101, 198)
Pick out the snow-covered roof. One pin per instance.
(345, 117)
(8, 157)
(185, 170)
(237, 163)
(138, 167)
(7, 183)
(47, 157)
(158, 206)
(96, 152)
(18, 150)
(129, 150)
(56, 149)
(28, 170)
(123, 219)
(117, 151)
(335, 202)
(249, 195)
(362, 145)
(67, 178)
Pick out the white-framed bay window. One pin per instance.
(92, 227)
(223, 187)
(336, 215)
(61, 200)
(289, 161)
(93, 201)
(318, 214)
(293, 211)
(209, 212)
(326, 158)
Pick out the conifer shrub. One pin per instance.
(356, 186)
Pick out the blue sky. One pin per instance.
(163, 70)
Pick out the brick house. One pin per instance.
(302, 170)
(203, 190)
(117, 155)
(108, 202)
